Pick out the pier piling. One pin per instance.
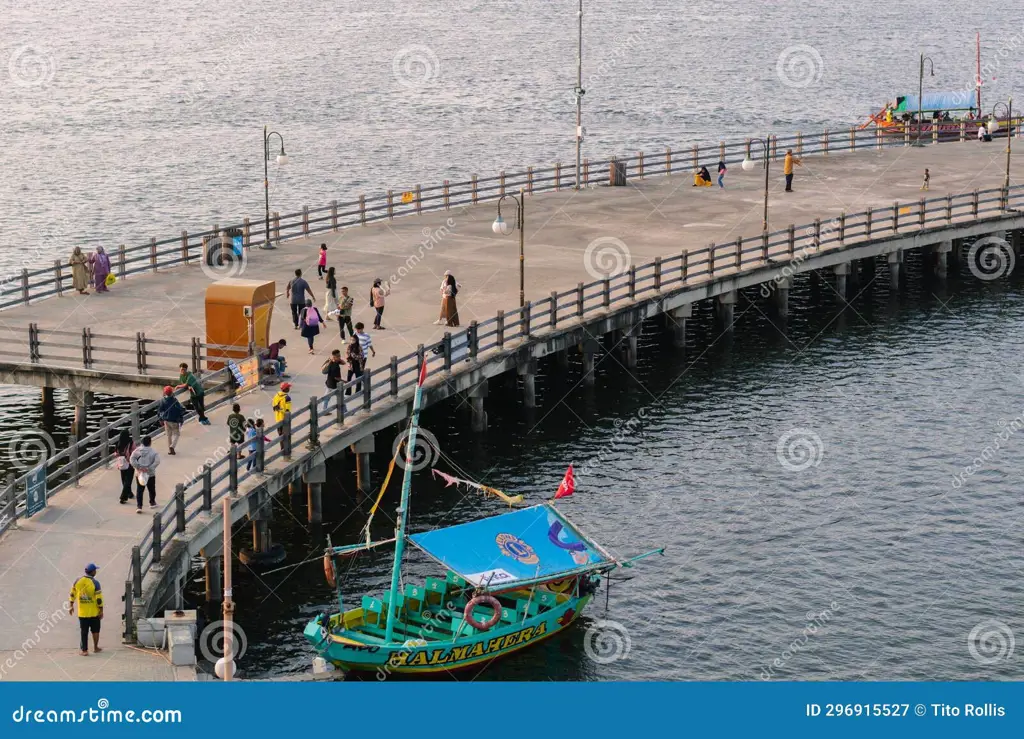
(528, 371)
(478, 415)
(82, 400)
(895, 267)
(726, 308)
(314, 479)
(676, 321)
(214, 584)
(942, 251)
(842, 272)
(362, 449)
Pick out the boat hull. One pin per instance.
(430, 654)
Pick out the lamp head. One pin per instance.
(747, 164)
(500, 226)
(282, 158)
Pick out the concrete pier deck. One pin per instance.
(653, 217)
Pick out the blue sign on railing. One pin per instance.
(35, 491)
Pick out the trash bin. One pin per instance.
(617, 173)
(237, 238)
(218, 249)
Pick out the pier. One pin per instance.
(600, 262)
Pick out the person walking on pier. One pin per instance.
(449, 309)
(332, 368)
(331, 293)
(172, 414)
(721, 173)
(87, 595)
(145, 460)
(321, 262)
(123, 448)
(927, 179)
(310, 320)
(196, 392)
(281, 403)
(787, 168)
(365, 343)
(101, 268)
(296, 294)
(79, 271)
(377, 294)
(355, 359)
(236, 428)
(345, 303)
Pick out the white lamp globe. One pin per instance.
(282, 159)
(499, 226)
(993, 125)
(747, 164)
(222, 665)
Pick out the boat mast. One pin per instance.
(403, 507)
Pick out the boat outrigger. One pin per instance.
(510, 581)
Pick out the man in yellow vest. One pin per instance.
(787, 169)
(282, 404)
(87, 595)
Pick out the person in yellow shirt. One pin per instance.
(282, 404)
(87, 595)
(787, 168)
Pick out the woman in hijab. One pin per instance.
(101, 268)
(331, 296)
(123, 449)
(449, 310)
(79, 271)
(310, 320)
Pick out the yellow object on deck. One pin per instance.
(227, 323)
(699, 181)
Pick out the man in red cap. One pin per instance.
(171, 413)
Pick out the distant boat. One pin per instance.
(510, 581)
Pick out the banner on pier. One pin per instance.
(35, 491)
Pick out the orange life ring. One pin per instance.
(480, 600)
(329, 570)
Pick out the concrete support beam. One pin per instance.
(941, 253)
(956, 254)
(82, 400)
(630, 345)
(261, 536)
(726, 307)
(295, 487)
(314, 479)
(362, 450)
(676, 321)
(528, 372)
(895, 260)
(478, 415)
(47, 398)
(780, 296)
(842, 272)
(562, 359)
(590, 349)
(1017, 242)
(214, 581)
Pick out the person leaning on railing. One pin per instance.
(196, 391)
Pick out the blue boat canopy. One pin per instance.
(932, 101)
(524, 546)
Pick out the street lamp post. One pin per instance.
(920, 95)
(579, 98)
(281, 159)
(500, 226)
(993, 126)
(748, 164)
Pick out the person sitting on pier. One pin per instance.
(274, 356)
(983, 134)
(702, 178)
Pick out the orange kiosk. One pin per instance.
(238, 314)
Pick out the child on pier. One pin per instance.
(321, 262)
(927, 179)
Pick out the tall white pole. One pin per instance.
(579, 98)
(229, 606)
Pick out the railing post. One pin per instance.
(737, 256)
(475, 194)
(136, 421)
(58, 277)
(696, 157)
(668, 160)
(367, 389)
(631, 282)
(558, 176)
(817, 234)
(233, 472)
(501, 183)
(179, 508)
(878, 138)
(640, 163)
(906, 135)
(867, 222)
(261, 453)
(963, 130)
(764, 246)
(949, 208)
(799, 144)
(447, 196)
(334, 215)
(141, 352)
(853, 138)
(825, 143)
(721, 150)
(208, 487)
(394, 376)
(362, 210)
(152, 253)
(105, 441)
(1004, 198)
(579, 299)
(791, 240)
(75, 467)
(275, 223)
(184, 246)
(129, 636)
(33, 343)
(136, 571)
(974, 203)
(895, 216)
(246, 233)
(525, 325)
(529, 180)
(500, 317)
(305, 220)
(921, 212)
(85, 348)
(774, 141)
(749, 141)
(339, 411)
(553, 313)
(197, 354)
(935, 133)
(157, 544)
(419, 199)
(657, 274)
(121, 262)
(421, 356)
(391, 205)
(446, 346)
(474, 340)
(607, 298)
(314, 424)
(24, 286)
(286, 435)
(711, 258)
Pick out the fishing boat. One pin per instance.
(509, 581)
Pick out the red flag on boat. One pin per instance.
(568, 485)
(423, 373)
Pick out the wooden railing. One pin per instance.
(302, 428)
(189, 248)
